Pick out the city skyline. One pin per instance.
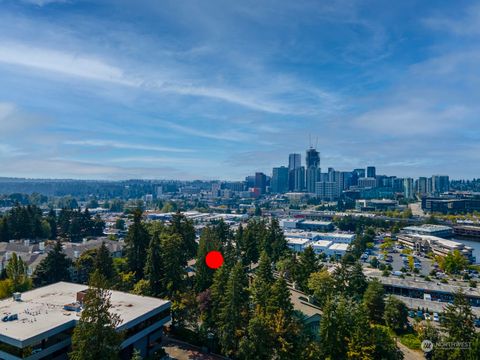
(218, 91)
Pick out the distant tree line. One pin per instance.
(28, 222)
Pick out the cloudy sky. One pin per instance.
(184, 89)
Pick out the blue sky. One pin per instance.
(117, 89)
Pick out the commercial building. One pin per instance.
(279, 183)
(321, 246)
(408, 188)
(450, 205)
(418, 288)
(297, 244)
(295, 181)
(371, 172)
(261, 182)
(442, 247)
(440, 184)
(428, 229)
(368, 182)
(326, 190)
(421, 187)
(315, 225)
(467, 230)
(376, 205)
(43, 320)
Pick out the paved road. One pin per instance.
(179, 350)
(410, 354)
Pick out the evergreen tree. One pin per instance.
(204, 275)
(172, 261)
(52, 220)
(234, 313)
(396, 314)
(280, 298)
(261, 285)
(307, 265)
(258, 342)
(212, 314)
(357, 281)
(85, 265)
(250, 241)
(335, 327)
(154, 267)
(179, 224)
(277, 240)
(103, 263)
(458, 319)
(54, 268)
(374, 301)
(17, 273)
(136, 244)
(95, 336)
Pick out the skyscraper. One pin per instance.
(408, 188)
(422, 186)
(371, 172)
(312, 160)
(279, 180)
(261, 182)
(440, 184)
(298, 179)
(294, 163)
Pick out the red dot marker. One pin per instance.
(214, 259)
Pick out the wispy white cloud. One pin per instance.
(465, 24)
(124, 145)
(44, 2)
(62, 62)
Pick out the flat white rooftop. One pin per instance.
(41, 310)
(339, 247)
(297, 241)
(321, 244)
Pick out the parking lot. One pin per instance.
(397, 260)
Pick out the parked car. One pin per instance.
(411, 313)
(436, 317)
(427, 317)
(420, 313)
(476, 322)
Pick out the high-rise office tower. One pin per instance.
(261, 182)
(294, 163)
(360, 173)
(408, 188)
(312, 160)
(440, 184)
(422, 186)
(279, 183)
(371, 172)
(299, 179)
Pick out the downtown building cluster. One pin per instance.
(332, 184)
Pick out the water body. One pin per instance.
(473, 244)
